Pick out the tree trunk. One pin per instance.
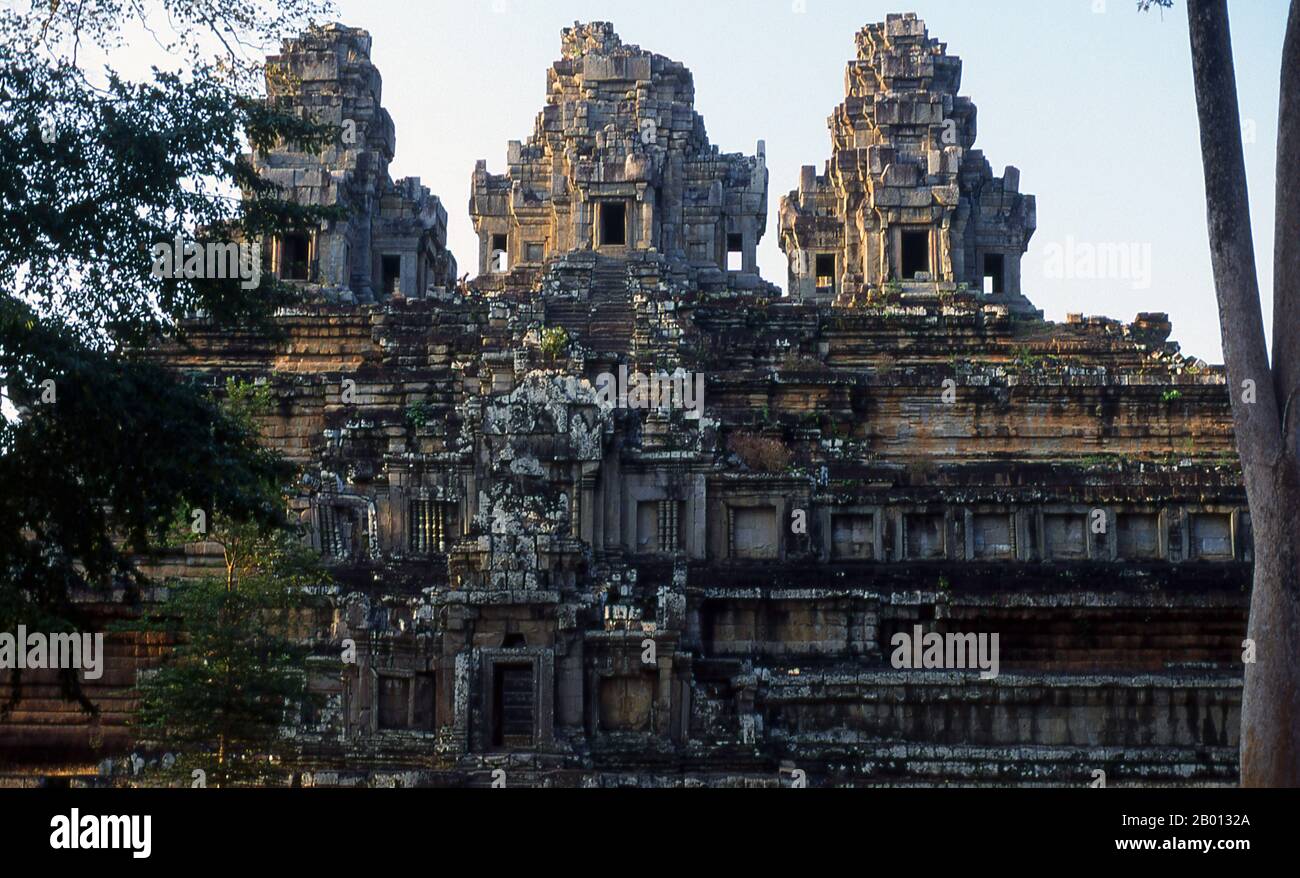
(1270, 709)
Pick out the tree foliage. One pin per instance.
(220, 699)
(99, 448)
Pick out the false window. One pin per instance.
(1212, 536)
(1065, 536)
(1138, 536)
(853, 537)
(923, 536)
(754, 532)
(994, 536)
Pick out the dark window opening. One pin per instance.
(613, 224)
(735, 252)
(513, 641)
(513, 702)
(294, 256)
(994, 279)
(916, 254)
(499, 260)
(825, 272)
(392, 274)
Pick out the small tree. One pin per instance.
(221, 699)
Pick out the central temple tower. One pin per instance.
(619, 161)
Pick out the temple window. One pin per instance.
(658, 526)
(431, 526)
(994, 536)
(613, 224)
(295, 256)
(1211, 534)
(735, 252)
(1065, 536)
(405, 701)
(915, 253)
(513, 706)
(824, 270)
(1138, 536)
(753, 532)
(994, 273)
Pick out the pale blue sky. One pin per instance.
(1096, 110)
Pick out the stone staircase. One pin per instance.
(605, 322)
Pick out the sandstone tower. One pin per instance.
(619, 161)
(905, 197)
(394, 239)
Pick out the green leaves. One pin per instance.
(100, 449)
(224, 693)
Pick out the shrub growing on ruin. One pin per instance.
(760, 453)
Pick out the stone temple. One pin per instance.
(593, 583)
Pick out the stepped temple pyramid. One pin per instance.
(620, 511)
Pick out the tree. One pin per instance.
(99, 449)
(1264, 396)
(219, 701)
